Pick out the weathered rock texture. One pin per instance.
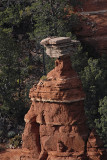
(17, 154)
(55, 124)
(59, 46)
(93, 29)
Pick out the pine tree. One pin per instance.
(11, 78)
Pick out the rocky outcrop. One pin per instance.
(93, 29)
(55, 124)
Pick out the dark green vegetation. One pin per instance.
(93, 73)
(23, 24)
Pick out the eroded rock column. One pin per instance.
(55, 124)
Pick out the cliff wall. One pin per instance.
(93, 5)
(93, 28)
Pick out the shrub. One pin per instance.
(11, 134)
(15, 142)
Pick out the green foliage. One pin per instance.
(1, 134)
(39, 19)
(50, 63)
(11, 77)
(79, 59)
(42, 18)
(75, 3)
(9, 17)
(8, 64)
(93, 73)
(50, 18)
(92, 78)
(31, 68)
(16, 141)
(14, 16)
(11, 134)
(43, 78)
(101, 123)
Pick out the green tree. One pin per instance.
(92, 78)
(15, 17)
(79, 59)
(39, 19)
(101, 123)
(93, 73)
(52, 18)
(11, 78)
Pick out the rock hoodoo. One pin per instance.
(55, 124)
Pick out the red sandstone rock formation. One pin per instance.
(17, 154)
(62, 84)
(55, 124)
(57, 107)
(93, 30)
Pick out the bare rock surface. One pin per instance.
(59, 46)
(55, 40)
(17, 154)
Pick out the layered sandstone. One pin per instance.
(93, 29)
(55, 124)
(61, 85)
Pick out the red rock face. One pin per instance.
(95, 147)
(17, 154)
(93, 5)
(93, 30)
(55, 124)
(28, 142)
